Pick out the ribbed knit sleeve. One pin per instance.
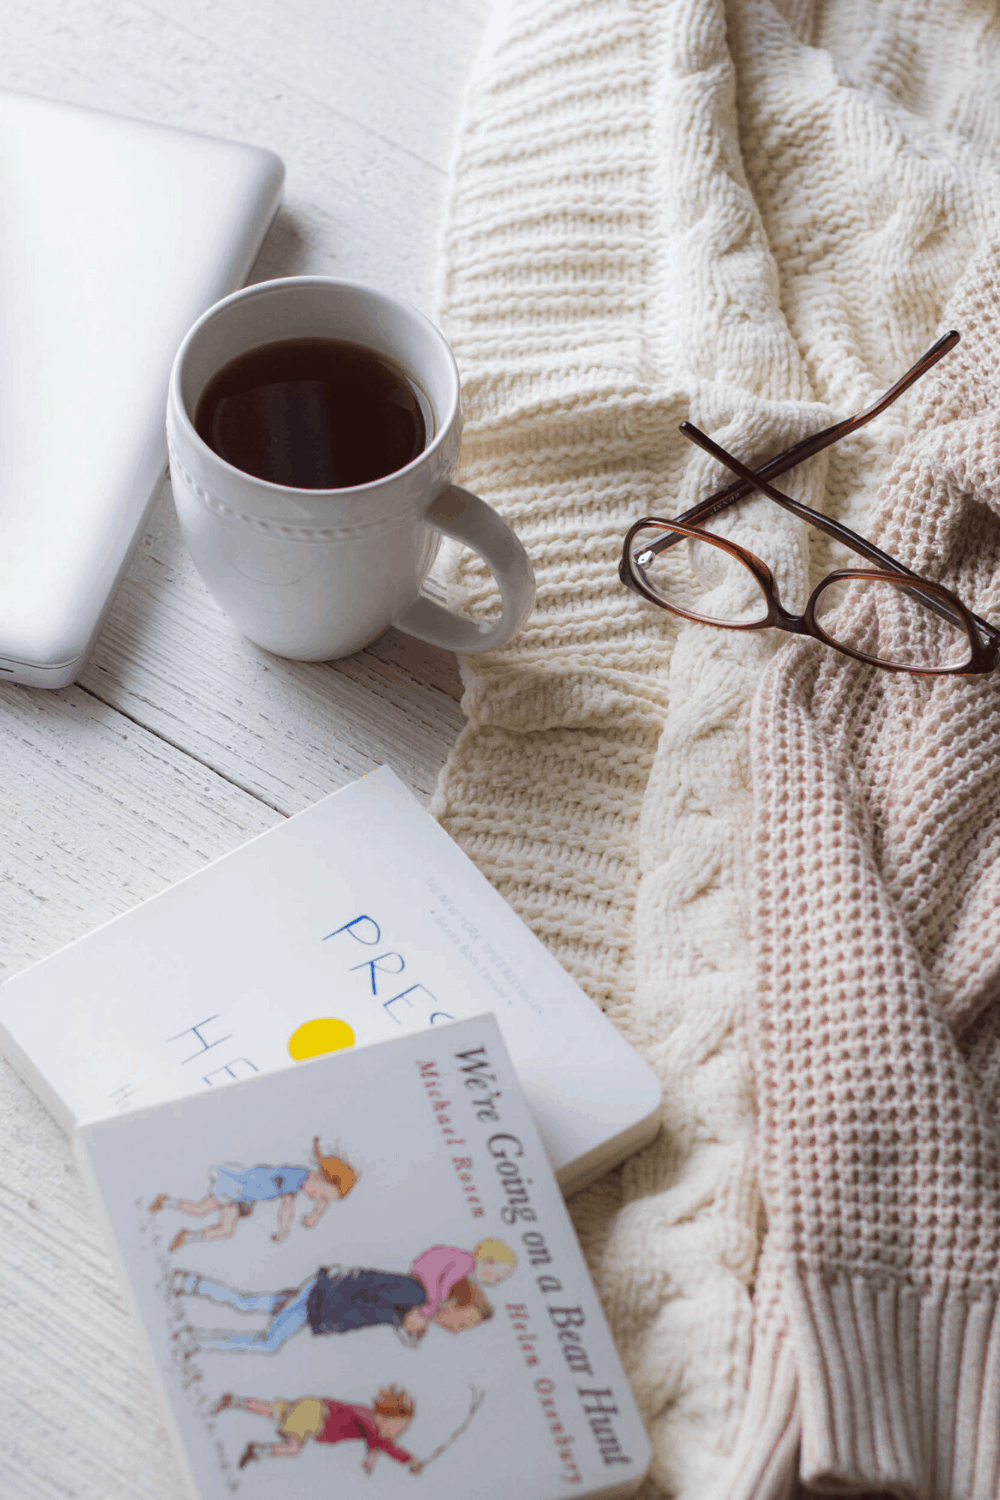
(877, 880)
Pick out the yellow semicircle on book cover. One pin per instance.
(324, 1034)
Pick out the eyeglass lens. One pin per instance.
(698, 577)
(893, 624)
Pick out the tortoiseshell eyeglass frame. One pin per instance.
(984, 638)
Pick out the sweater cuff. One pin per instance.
(898, 1387)
(764, 1461)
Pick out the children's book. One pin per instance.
(358, 1278)
(354, 921)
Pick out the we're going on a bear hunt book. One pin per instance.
(358, 1278)
(354, 921)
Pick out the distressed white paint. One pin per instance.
(181, 740)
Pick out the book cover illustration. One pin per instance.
(359, 1277)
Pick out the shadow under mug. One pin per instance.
(317, 574)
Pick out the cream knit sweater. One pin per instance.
(877, 893)
(753, 218)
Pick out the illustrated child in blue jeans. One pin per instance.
(339, 1299)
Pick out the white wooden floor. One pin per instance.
(181, 740)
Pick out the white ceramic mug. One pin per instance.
(317, 574)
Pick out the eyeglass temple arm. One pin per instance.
(808, 446)
(832, 528)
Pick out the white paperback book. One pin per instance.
(359, 1279)
(357, 920)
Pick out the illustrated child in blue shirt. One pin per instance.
(236, 1189)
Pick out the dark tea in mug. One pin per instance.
(314, 414)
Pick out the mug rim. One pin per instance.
(284, 283)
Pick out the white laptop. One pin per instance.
(114, 236)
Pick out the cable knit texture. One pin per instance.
(750, 216)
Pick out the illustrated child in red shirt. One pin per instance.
(328, 1421)
(236, 1189)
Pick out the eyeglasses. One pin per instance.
(906, 623)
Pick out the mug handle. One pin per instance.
(459, 514)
